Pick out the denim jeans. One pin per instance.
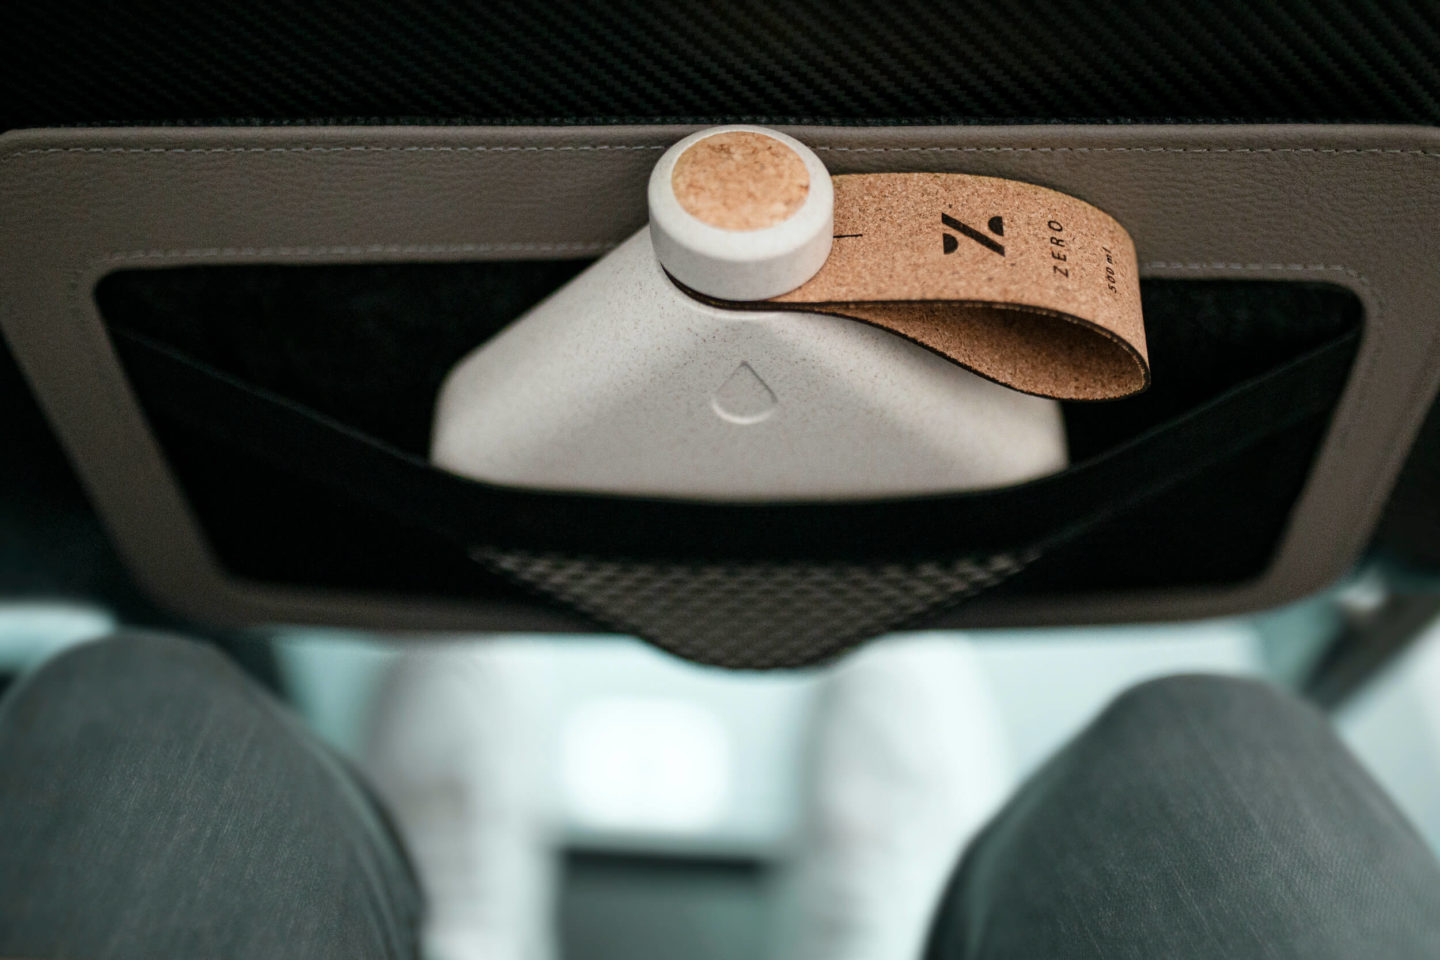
(155, 803)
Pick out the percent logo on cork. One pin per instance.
(950, 243)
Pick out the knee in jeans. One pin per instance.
(1232, 704)
(129, 668)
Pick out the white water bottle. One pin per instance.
(622, 383)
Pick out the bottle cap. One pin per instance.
(741, 212)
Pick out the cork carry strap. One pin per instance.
(1026, 286)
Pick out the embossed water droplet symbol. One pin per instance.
(744, 398)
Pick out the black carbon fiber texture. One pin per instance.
(849, 61)
(756, 616)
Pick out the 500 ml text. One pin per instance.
(1110, 271)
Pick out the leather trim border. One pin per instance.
(1351, 205)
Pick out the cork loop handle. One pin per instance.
(1026, 286)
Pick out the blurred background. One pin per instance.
(639, 805)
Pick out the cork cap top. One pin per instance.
(740, 212)
(740, 180)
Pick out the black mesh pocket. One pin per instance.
(301, 476)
